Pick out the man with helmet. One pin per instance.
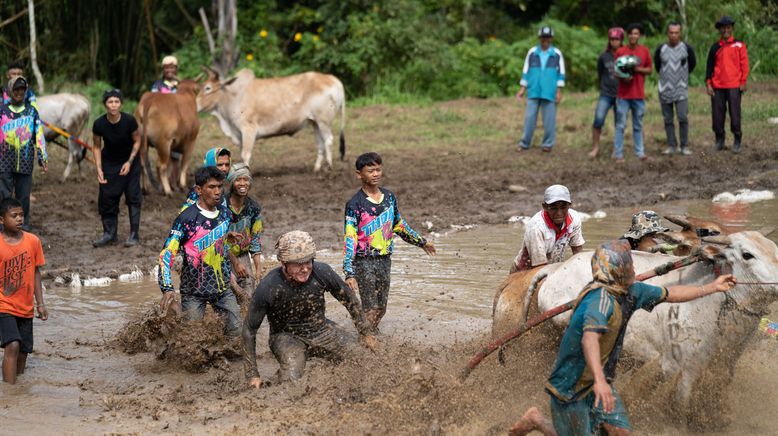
(292, 298)
(633, 64)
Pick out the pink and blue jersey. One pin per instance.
(370, 228)
(21, 139)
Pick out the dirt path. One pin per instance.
(449, 163)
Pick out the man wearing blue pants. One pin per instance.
(542, 77)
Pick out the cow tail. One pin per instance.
(342, 128)
(144, 145)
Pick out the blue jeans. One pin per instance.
(604, 104)
(548, 109)
(224, 304)
(638, 108)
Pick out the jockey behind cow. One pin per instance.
(641, 234)
(550, 231)
(169, 85)
(583, 400)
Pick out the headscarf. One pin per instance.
(614, 32)
(238, 170)
(612, 269)
(212, 155)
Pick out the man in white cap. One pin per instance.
(169, 82)
(292, 298)
(550, 231)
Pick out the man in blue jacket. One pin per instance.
(542, 77)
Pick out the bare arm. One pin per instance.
(257, 259)
(135, 147)
(683, 293)
(43, 313)
(97, 150)
(602, 390)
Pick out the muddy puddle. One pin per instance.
(79, 381)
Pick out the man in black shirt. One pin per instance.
(118, 170)
(292, 298)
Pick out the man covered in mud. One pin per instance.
(550, 231)
(292, 298)
(201, 233)
(583, 400)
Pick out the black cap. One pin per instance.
(726, 20)
(112, 93)
(20, 82)
(546, 32)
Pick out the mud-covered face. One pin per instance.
(13, 219)
(241, 186)
(299, 272)
(371, 174)
(210, 193)
(557, 211)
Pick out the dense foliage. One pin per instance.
(386, 49)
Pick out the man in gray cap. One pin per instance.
(550, 231)
(292, 298)
(542, 78)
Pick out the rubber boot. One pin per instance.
(133, 239)
(109, 232)
(719, 143)
(736, 145)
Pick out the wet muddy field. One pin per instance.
(91, 375)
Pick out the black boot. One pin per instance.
(109, 232)
(133, 239)
(736, 145)
(719, 143)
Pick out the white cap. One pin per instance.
(169, 60)
(556, 193)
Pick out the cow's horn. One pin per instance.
(212, 74)
(199, 77)
(679, 220)
(718, 240)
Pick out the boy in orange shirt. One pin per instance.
(21, 256)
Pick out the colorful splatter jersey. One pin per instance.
(206, 269)
(164, 87)
(370, 228)
(21, 135)
(248, 223)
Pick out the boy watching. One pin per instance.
(21, 254)
(372, 219)
(631, 95)
(202, 231)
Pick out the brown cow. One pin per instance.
(170, 123)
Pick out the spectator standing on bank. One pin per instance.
(726, 77)
(675, 61)
(542, 77)
(608, 86)
(631, 94)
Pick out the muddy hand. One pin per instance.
(168, 298)
(255, 382)
(352, 283)
(234, 237)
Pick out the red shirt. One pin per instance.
(634, 89)
(727, 64)
(17, 274)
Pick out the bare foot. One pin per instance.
(594, 152)
(531, 420)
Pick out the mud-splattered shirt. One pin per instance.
(370, 228)
(21, 138)
(202, 241)
(248, 223)
(600, 312)
(298, 310)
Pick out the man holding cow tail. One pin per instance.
(118, 170)
(583, 400)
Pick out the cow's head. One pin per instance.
(753, 258)
(211, 91)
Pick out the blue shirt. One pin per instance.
(600, 312)
(543, 73)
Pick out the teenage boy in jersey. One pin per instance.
(201, 234)
(372, 220)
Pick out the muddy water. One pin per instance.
(74, 378)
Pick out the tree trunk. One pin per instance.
(33, 52)
(226, 57)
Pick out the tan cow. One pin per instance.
(170, 123)
(249, 108)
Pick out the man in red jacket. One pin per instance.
(726, 77)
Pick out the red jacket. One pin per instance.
(727, 64)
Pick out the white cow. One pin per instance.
(69, 112)
(686, 338)
(249, 108)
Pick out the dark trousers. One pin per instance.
(721, 100)
(19, 186)
(111, 192)
(680, 107)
